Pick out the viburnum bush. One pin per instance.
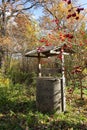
(67, 26)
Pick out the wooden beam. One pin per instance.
(35, 56)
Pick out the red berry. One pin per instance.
(66, 35)
(69, 16)
(74, 15)
(69, 10)
(69, 2)
(80, 44)
(77, 18)
(81, 8)
(70, 36)
(78, 10)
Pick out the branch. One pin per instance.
(50, 12)
(31, 6)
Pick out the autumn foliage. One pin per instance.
(63, 23)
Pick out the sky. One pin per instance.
(83, 3)
(37, 13)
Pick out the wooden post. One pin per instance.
(39, 65)
(62, 96)
(63, 81)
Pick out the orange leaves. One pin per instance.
(51, 36)
(6, 43)
(82, 32)
(52, 39)
(64, 36)
(81, 44)
(48, 40)
(44, 40)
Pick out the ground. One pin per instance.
(18, 111)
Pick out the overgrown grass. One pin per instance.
(18, 111)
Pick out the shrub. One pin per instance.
(20, 77)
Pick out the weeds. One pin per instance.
(18, 111)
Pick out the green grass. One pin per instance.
(18, 111)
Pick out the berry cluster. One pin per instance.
(79, 9)
(63, 36)
(68, 35)
(77, 70)
(75, 13)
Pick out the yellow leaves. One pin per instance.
(85, 71)
(30, 28)
(22, 21)
(69, 6)
(25, 33)
(1, 115)
(4, 82)
(30, 31)
(86, 48)
(62, 7)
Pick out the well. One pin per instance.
(50, 91)
(48, 94)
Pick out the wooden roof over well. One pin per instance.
(48, 51)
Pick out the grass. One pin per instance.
(18, 111)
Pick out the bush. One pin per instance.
(4, 90)
(20, 77)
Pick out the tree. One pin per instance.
(10, 8)
(65, 23)
(9, 31)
